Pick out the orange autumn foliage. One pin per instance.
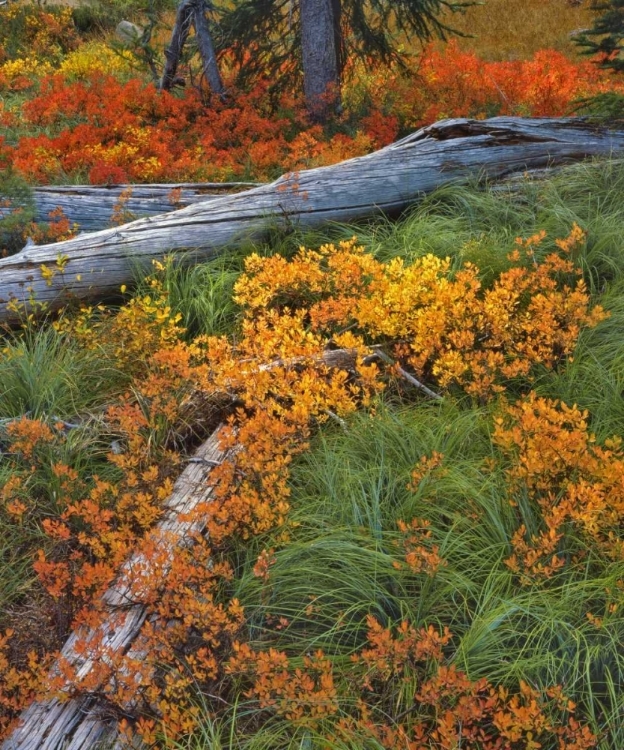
(113, 131)
(21, 680)
(57, 229)
(270, 385)
(576, 485)
(445, 326)
(446, 82)
(449, 710)
(441, 707)
(303, 695)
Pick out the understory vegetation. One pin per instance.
(388, 568)
(77, 106)
(413, 536)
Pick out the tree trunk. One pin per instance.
(338, 37)
(207, 50)
(179, 35)
(192, 12)
(388, 181)
(321, 69)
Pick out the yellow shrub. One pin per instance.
(95, 57)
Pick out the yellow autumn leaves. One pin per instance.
(444, 325)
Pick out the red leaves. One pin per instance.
(446, 82)
(120, 132)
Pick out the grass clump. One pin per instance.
(410, 562)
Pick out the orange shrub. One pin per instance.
(576, 485)
(110, 132)
(409, 697)
(450, 83)
(444, 326)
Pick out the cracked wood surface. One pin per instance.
(82, 723)
(386, 181)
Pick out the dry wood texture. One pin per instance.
(387, 181)
(91, 207)
(81, 723)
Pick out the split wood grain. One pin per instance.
(386, 181)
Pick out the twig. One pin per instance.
(406, 375)
(66, 425)
(207, 461)
(338, 419)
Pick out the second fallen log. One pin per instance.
(386, 181)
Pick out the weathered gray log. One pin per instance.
(85, 721)
(385, 181)
(81, 722)
(91, 207)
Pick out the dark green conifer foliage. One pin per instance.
(265, 35)
(606, 37)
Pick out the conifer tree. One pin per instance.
(606, 36)
(269, 37)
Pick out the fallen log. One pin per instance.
(386, 181)
(83, 719)
(91, 207)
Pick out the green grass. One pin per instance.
(44, 375)
(350, 489)
(348, 493)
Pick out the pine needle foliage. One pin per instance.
(605, 37)
(264, 35)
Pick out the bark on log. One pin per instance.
(385, 181)
(91, 207)
(85, 721)
(81, 722)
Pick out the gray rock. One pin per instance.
(128, 33)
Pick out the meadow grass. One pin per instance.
(350, 490)
(517, 29)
